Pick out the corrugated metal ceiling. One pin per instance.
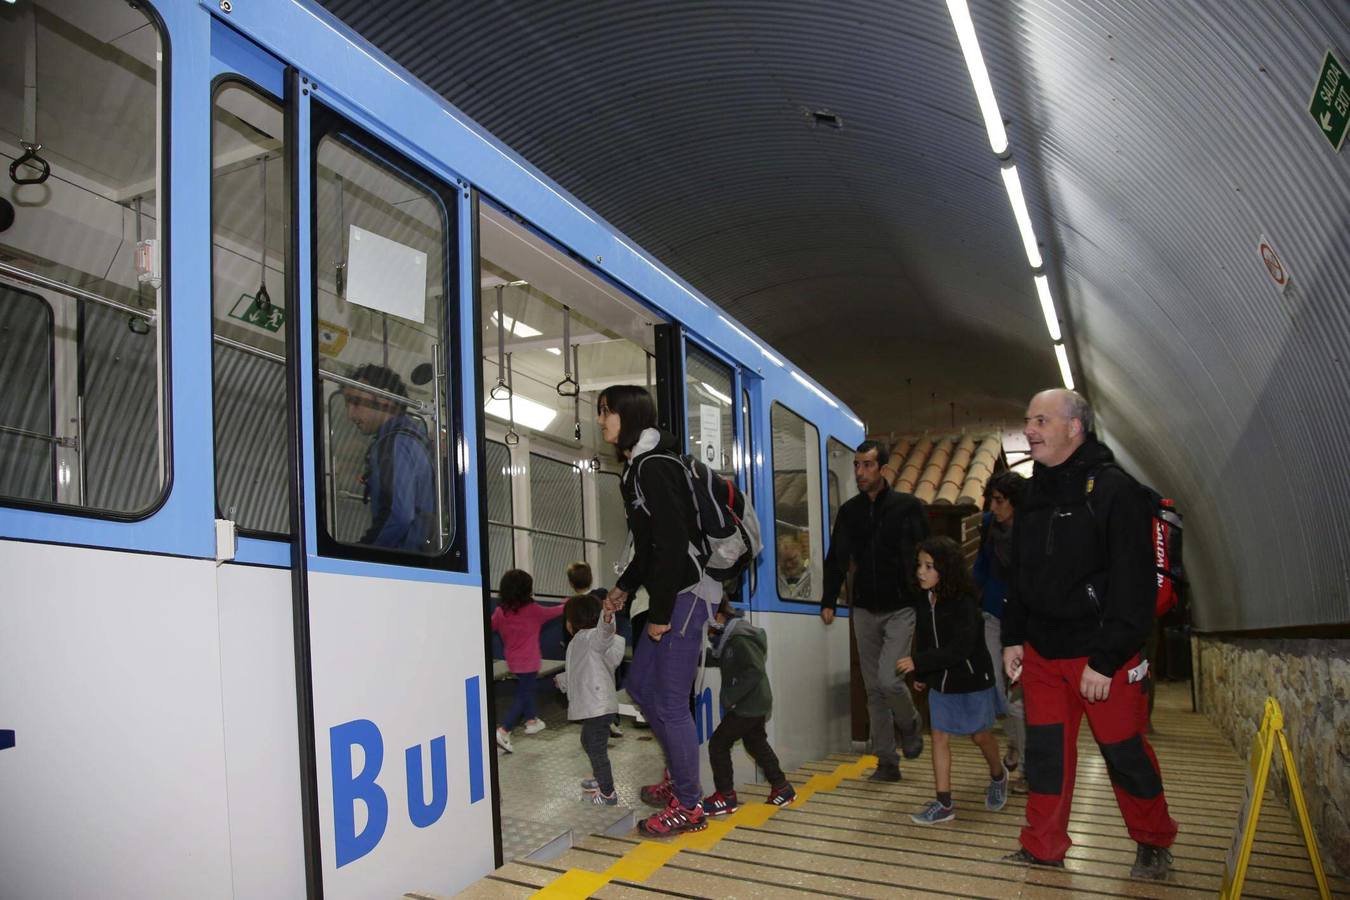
(1157, 142)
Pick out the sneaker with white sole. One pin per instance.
(615, 730)
(996, 795)
(782, 796)
(504, 740)
(534, 726)
(720, 804)
(932, 813)
(590, 785)
(600, 798)
(659, 794)
(674, 819)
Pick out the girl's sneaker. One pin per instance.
(534, 726)
(674, 819)
(720, 804)
(996, 795)
(615, 730)
(600, 798)
(504, 740)
(782, 796)
(932, 813)
(590, 785)
(659, 794)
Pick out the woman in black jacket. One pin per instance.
(664, 528)
(950, 656)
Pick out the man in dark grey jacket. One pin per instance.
(879, 530)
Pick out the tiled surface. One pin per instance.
(541, 781)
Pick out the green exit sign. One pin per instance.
(1330, 105)
(266, 316)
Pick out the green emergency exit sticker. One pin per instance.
(1330, 104)
(268, 317)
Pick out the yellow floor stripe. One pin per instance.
(640, 863)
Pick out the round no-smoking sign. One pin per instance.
(1279, 273)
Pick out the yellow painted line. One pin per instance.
(640, 863)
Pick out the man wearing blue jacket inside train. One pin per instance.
(398, 481)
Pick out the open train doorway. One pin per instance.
(554, 335)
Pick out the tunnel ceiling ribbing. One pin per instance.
(1156, 143)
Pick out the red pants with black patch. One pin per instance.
(1054, 710)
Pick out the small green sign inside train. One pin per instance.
(268, 317)
(1330, 104)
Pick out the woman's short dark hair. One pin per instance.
(1009, 484)
(516, 589)
(636, 411)
(582, 612)
(953, 573)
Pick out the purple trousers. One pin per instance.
(661, 681)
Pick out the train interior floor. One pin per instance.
(853, 838)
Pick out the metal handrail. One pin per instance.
(24, 432)
(557, 534)
(43, 281)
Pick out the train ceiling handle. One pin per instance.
(30, 158)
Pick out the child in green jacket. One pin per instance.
(746, 702)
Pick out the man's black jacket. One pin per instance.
(882, 536)
(1082, 580)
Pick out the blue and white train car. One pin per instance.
(226, 227)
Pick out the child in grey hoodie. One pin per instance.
(592, 656)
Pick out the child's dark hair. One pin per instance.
(582, 612)
(516, 590)
(953, 573)
(579, 577)
(726, 609)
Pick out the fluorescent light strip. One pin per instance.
(1019, 205)
(532, 415)
(1064, 371)
(519, 329)
(715, 393)
(979, 75)
(813, 389)
(1048, 307)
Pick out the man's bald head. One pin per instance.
(1058, 422)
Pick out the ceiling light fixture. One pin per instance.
(715, 393)
(519, 329)
(528, 413)
(979, 75)
(1019, 204)
(1064, 371)
(1048, 307)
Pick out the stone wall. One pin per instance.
(1311, 681)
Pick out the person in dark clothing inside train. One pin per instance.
(398, 481)
(1080, 603)
(879, 530)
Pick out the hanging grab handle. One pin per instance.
(568, 387)
(501, 390)
(30, 158)
(264, 299)
(576, 396)
(512, 439)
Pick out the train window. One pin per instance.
(27, 418)
(613, 529)
(710, 412)
(557, 523)
(382, 257)
(500, 514)
(796, 495)
(249, 223)
(85, 200)
(748, 466)
(840, 483)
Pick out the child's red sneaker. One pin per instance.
(659, 794)
(720, 804)
(674, 819)
(782, 796)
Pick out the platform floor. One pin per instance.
(856, 839)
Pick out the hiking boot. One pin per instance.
(674, 819)
(933, 812)
(1151, 862)
(534, 726)
(659, 794)
(1023, 857)
(996, 795)
(911, 744)
(720, 804)
(504, 740)
(885, 772)
(782, 796)
(599, 798)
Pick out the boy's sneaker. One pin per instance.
(534, 726)
(659, 794)
(720, 804)
(996, 795)
(504, 740)
(1151, 862)
(590, 785)
(599, 798)
(1017, 783)
(782, 796)
(615, 730)
(885, 772)
(1022, 856)
(932, 813)
(674, 819)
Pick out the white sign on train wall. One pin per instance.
(1275, 267)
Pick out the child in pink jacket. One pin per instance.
(518, 619)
